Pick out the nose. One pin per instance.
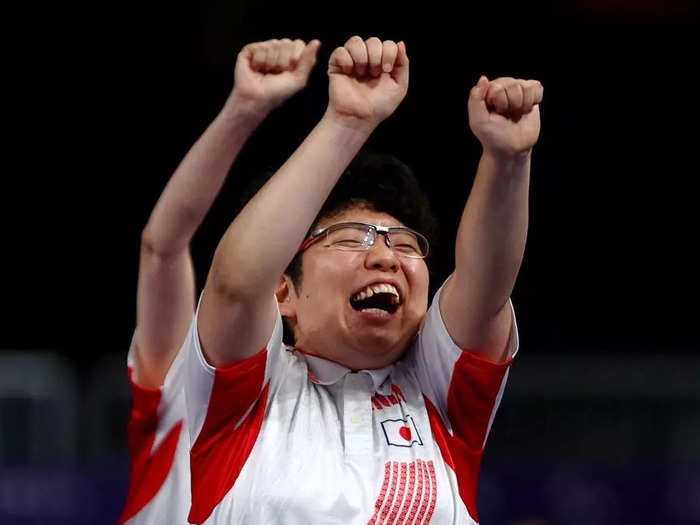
(381, 257)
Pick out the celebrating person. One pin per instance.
(266, 74)
(380, 411)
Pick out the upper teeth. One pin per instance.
(370, 290)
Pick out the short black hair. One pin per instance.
(381, 183)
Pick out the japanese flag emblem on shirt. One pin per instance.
(401, 432)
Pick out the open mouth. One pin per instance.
(377, 298)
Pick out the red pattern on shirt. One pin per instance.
(221, 449)
(470, 402)
(408, 502)
(379, 401)
(149, 468)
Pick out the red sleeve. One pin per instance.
(472, 400)
(231, 427)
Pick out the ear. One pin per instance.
(285, 298)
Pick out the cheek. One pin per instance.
(327, 282)
(418, 279)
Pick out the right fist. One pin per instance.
(368, 79)
(504, 114)
(268, 73)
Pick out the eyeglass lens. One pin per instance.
(362, 237)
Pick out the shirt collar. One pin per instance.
(326, 372)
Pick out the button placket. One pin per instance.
(357, 414)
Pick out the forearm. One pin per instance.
(196, 182)
(493, 230)
(264, 237)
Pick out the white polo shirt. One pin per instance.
(158, 440)
(289, 438)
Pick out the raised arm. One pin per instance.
(266, 74)
(504, 116)
(367, 81)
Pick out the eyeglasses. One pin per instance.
(359, 236)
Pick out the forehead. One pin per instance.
(360, 214)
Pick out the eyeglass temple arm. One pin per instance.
(305, 244)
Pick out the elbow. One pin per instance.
(155, 245)
(149, 242)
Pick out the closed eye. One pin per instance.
(347, 242)
(407, 248)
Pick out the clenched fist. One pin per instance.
(268, 73)
(504, 114)
(368, 79)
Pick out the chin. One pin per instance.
(381, 349)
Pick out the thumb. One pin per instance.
(477, 97)
(307, 59)
(400, 71)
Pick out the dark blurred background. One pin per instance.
(601, 419)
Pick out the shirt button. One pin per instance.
(356, 420)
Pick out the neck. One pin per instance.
(365, 357)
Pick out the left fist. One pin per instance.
(268, 73)
(504, 114)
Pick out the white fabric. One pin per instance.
(437, 354)
(325, 450)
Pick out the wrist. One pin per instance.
(341, 135)
(245, 109)
(508, 159)
(512, 164)
(348, 124)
